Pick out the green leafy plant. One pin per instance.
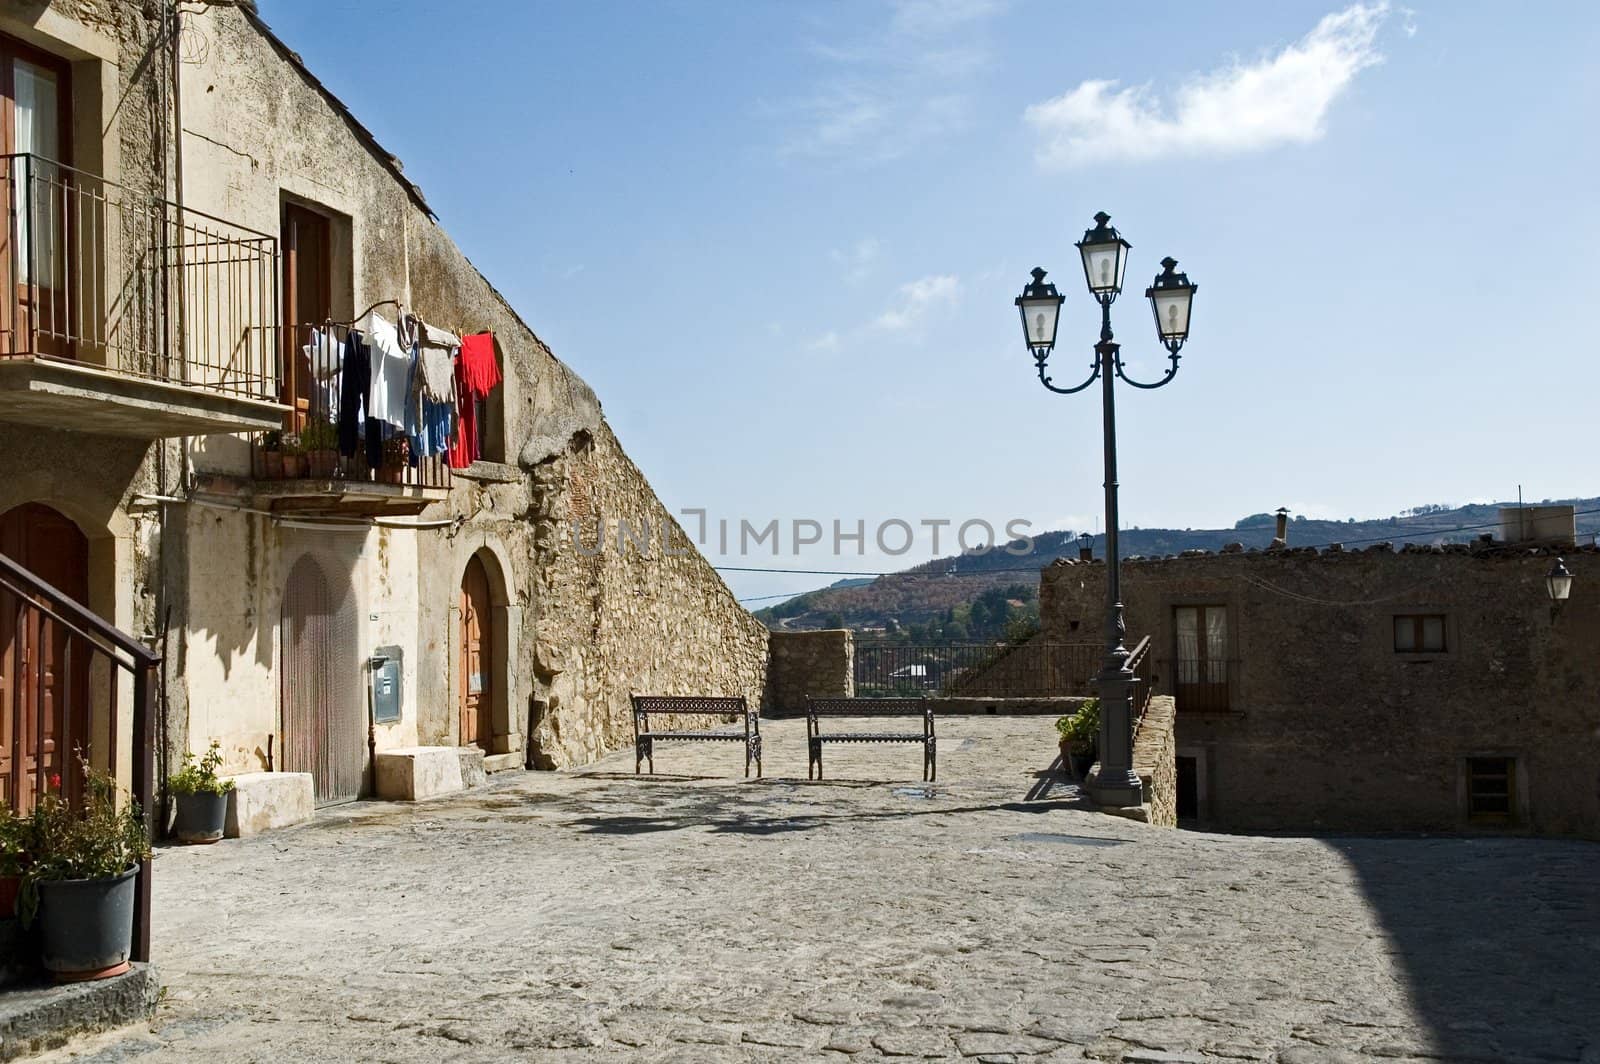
(1081, 730)
(16, 841)
(272, 441)
(91, 839)
(319, 435)
(199, 776)
(291, 443)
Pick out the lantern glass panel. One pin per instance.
(1103, 265)
(1560, 586)
(1039, 318)
(1172, 311)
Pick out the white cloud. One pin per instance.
(828, 341)
(856, 262)
(901, 86)
(917, 300)
(1282, 98)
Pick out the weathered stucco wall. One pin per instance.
(577, 633)
(1328, 727)
(812, 664)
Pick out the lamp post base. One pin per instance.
(1115, 790)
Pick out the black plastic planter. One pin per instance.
(199, 817)
(86, 926)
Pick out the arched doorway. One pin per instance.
(44, 683)
(318, 690)
(476, 698)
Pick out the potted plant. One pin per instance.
(396, 452)
(272, 455)
(294, 456)
(80, 884)
(201, 798)
(320, 441)
(1080, 733)
(16, 853)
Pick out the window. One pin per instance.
(1202, 658)
(1491, 789)
(1419, 633)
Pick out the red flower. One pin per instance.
(55, 781)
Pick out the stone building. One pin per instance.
(1425, 688)
(189, 201)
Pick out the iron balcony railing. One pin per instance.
(311, 445)
(63, 669)
(103, 275)
(978, 670)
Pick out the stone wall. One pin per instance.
(1326, 726)
(1155, 759)
(816, 664)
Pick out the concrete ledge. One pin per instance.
(263, 801)
(502, 762)
(412, 773)
(44, 1017)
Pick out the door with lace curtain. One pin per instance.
(36, 138)
(1202, 658)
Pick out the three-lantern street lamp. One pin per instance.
(1105, 259)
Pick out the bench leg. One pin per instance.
(930, 766)
(752, 750)
(816, 759)
(638, 755)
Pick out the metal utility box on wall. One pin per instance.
(388, 694)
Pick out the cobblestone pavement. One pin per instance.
(594, 916)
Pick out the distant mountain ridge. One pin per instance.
(929, 591)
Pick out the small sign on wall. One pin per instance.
(387, 690)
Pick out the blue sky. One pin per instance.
(782, 240)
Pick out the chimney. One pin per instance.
(1281, 541)
(1086, 548)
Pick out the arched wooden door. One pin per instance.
(477, 655)
(44, 676)
(318, 691)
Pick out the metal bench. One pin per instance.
(645, 737)
(817, 708)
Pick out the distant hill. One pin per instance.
(932, 595)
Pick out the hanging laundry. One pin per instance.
(432, 403)
(391, 372)
(324, 357)
(354, 380)
(477, 374)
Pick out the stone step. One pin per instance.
(36, 1018)
(502, 762)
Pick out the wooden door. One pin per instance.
(1202, 658)
(477, 653)
(36, 121)
(44, 671)
(307, 301)
(323, 718)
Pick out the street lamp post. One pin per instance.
(1105, 258)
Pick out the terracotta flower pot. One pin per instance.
(294, 466)
(272, 465)
(86, 926)
(322, 463)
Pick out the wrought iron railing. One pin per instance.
(326, 435)
(1143, 680)
(64, 669)
(978, 670)
(102, 275)
(1202, 685)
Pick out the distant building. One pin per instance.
(1430, 688)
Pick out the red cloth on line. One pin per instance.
(477, 374)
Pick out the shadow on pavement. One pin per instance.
(1499, 937)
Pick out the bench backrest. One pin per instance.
(869, 707)
(647, 706)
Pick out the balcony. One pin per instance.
(127, 315)
(301, 466)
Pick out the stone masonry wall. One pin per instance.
(1327, 727)
(1155, 759)
(817, 664)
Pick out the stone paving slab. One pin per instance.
(695, 916)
